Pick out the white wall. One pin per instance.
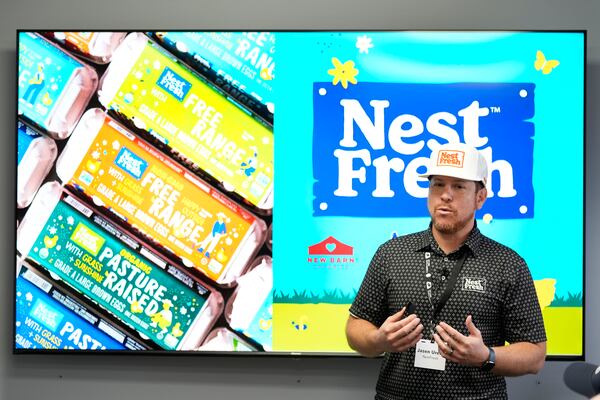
(150, 377)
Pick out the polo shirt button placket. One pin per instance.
(445, 260)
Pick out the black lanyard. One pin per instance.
(450, 283)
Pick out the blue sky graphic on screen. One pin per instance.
(528, 123)
(373, 139)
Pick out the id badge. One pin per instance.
(427, 355)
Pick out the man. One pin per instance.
(36, 84)
(468, 295)
(212, 239)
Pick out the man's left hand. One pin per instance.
(465, 350)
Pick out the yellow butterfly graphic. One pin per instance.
(546, 66)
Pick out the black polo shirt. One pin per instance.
(494, 286)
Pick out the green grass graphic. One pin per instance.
(334, 296)
(571, 300)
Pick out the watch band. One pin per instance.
(490, 362)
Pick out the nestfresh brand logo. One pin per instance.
(173, 83)
(46, 315)
(131, 163)
(473, 284)
(451, 159)
(372, 140)
(87, 239)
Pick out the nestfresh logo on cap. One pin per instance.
(451, 158)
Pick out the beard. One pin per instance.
(450, 227)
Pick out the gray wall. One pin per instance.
(149, 377)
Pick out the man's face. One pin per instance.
(452, 202)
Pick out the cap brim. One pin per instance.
(450, 174)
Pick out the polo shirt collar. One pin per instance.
(473, 242)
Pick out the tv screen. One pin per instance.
(225, 191)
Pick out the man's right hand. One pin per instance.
(398, 334)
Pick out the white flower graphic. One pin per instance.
(364, 43)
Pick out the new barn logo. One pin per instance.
(330, 253)
(372, 140)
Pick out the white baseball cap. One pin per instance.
(457, 160)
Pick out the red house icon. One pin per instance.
(331, 246)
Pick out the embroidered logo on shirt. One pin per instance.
(473, 284)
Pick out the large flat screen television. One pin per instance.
(225, 191)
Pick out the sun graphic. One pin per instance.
(343, 73)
